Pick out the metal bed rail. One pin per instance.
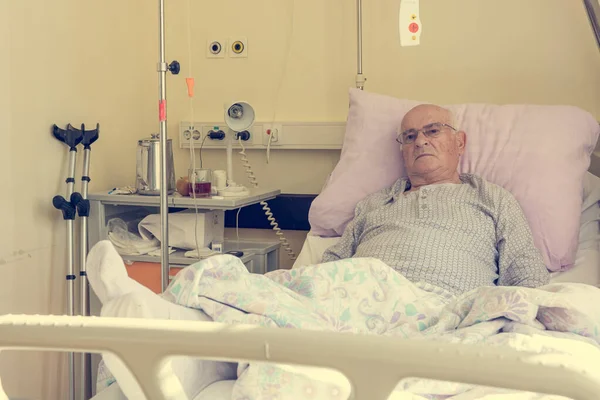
(373, 364)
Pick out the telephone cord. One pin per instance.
(265, 206)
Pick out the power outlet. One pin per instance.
(238, 47)
(216, 48)
(189, 134)
(272, 133)
(197, 134)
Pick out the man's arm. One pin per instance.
(519, 261)
(346, 247)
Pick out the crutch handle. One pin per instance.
(88, 137)
(70, 138)
(82, 205)
(67, 208)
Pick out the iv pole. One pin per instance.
(162, 112)
(162, 117)
(360, 79)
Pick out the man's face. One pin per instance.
(436, 153)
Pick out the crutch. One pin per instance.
(82, 204)
(72, 139)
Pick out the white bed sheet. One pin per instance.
(113, 392)
(586, 269)
(222, 390)
(217, 391)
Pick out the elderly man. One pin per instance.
(455, 231)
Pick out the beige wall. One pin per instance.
(64, 61)
(510, 51)
(74, 61)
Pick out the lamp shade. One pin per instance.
(239, 116)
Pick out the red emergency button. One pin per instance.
(413, 27)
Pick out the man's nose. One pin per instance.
(421, 140)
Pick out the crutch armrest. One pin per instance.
(82, 205)
(67, 208)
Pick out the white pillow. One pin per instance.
(182, 226)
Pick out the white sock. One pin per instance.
(107, 274)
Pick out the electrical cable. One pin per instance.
(269, 146)
(265, 206)
(201, 145)
(237, 226)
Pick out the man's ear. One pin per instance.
(461, 142)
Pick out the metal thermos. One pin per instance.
(148, 166)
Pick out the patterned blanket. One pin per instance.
(366, 296)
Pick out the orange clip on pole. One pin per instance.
(190, 86)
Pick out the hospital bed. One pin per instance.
(364, 360)
(587, 270)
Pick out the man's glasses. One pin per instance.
(431, 131)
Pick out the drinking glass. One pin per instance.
(200, 182)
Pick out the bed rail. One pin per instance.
(373, 364)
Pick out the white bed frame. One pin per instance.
(373, 364)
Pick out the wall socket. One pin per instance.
(238, 47)
(216, 48)
(272, 132)
(196, 135)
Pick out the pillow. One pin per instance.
(539, 153)
(182, 228)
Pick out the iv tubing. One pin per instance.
(230, 158)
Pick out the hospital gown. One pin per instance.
(454, 236)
